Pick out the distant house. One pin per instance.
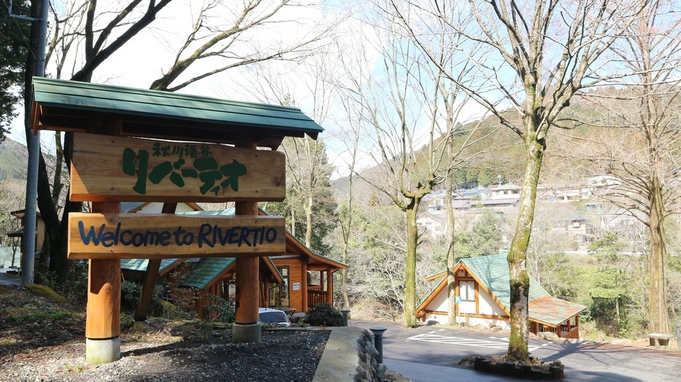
(40, 231)
(506, 191)
(478, 193)
(577, 228)
(482, 287)
(433, 221)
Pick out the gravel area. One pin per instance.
(41, 341)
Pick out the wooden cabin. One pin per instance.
(190, 282)
(308, 278)
(294, 282)
(483, 298)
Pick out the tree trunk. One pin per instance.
(451, 280)
(659, 314)
(308, 220)
(519, 278)
(410, 269)
(344, 277)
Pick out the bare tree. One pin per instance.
(76, 27)
(542, 53)
(641, 147)
(85, 34)
(411, 110)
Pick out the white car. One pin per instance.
(273, 316)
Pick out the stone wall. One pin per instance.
(368, 368)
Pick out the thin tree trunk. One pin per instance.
(659, 321)
(451, 280)
(410, 269)
(308, 220)
(519, 278)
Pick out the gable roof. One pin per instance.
(205, 271)
(210, 269)
(141, 265)
(492, 274)
(293, 245)
(69, 105)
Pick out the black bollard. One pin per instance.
(346, 315)
(378, 340)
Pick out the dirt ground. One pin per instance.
(44, 340)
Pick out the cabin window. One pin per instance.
(279, 295)
(467, 290)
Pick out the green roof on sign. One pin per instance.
(71, 106)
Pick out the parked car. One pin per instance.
(273, 316)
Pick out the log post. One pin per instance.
(103, 320)
(247, 328)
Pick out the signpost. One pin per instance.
(179, 155)
(158, 236)
(122, 169)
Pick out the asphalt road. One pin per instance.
(432, 353)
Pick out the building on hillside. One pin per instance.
(433, 221)
(506, 191)
(483, 298)
(577, 228)
(478, 193)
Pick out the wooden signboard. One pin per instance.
(116, 169)
(157, 236)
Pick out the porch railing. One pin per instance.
(573, 333)
(315, 297)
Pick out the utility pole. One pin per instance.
(28, 247)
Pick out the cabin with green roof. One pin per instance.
(297, 281)
(483, 298)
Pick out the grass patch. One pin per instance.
(43, 291)
(20, 316)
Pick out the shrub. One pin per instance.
(226, 311)
(325, 315)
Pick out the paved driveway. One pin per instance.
(432, 353)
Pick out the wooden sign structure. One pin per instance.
(158, 236)
(116, 169)
(184, 161)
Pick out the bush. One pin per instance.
(325, 315)
(130, 294)
(226, 311)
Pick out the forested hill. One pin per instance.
(499, 157)
(13, 161)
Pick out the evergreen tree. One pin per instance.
(13, 50)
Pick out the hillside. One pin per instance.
(13, 160)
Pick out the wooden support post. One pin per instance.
(150, 277)
(329, 287)
(103, 321)
(305, 291)
(247, 328)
